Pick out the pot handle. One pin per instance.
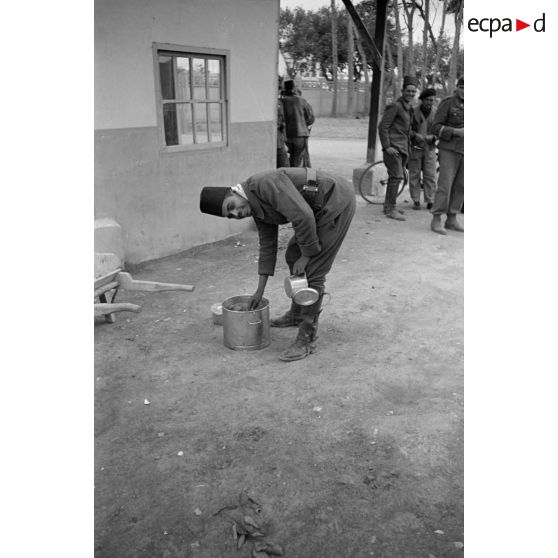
(254, 323)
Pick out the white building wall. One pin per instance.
(126, 29)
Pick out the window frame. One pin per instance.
(193, 52)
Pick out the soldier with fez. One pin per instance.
(395, 134)
(320, 207)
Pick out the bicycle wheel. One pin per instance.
(373, 181)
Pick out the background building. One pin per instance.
(185, 97)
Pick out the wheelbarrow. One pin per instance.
(110, 278)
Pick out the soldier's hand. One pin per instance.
(459, 132)
(255, 300)
(392, 151)
(299, 267)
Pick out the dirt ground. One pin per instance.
(355, 451)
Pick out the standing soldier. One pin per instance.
(395, 133)
(298, 117)
(422, 162)
(449, 126)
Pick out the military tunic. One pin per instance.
(320, 220)
(395, 127)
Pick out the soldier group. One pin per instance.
(410, 137)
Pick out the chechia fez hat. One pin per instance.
(428, 92)
(460, 82)
(409, 80)
(211, 200)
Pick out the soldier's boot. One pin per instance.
(395, 214)
(390, 208)
(452, 224)
(436, 224)
(291, 318)
(305, 342)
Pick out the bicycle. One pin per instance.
(373, 181)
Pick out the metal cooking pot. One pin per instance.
(244, 329)
(296, 287)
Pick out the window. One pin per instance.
(192, 97)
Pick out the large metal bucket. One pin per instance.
(243, 329)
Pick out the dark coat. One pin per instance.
(395, 127)
(450, 115)
(276, 197)
(298, 116)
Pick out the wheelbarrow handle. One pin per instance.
(126, 282)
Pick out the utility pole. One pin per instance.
(377, 47)
(377, 70)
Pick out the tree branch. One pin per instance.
(427, 23)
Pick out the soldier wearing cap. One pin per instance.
(299, 117)
(395, 133)
(320, 207)
(449, 126)
(422, 162)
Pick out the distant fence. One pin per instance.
(319, 93)
(321, 100)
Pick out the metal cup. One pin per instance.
(296, 288)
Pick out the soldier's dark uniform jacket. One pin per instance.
(281, 196)
(450, 114)
(395, 127)
(298, 116)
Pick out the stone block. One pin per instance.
(109, 238)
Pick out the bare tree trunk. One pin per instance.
(424, 70)
(366, 74)
(392, 81)
(383, 79)
(334, 57)
(455, 51)
(439, 45)
(409, 13)
(400, 59)
(350, 69)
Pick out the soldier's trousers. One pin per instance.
(297, 147)
(422, 162)
(394, 165)
(331, 236)
(450, 191)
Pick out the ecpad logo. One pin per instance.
(495, 24)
